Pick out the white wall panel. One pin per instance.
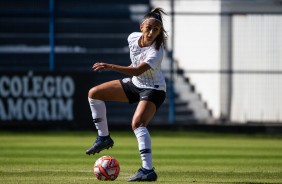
(257, 52)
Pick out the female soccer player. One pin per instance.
(147, 87)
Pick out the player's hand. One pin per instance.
(101, 67)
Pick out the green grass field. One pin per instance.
(183, 157)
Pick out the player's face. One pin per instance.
(150, 29)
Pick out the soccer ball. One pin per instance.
(106, 168)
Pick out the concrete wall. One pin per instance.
(227, 46)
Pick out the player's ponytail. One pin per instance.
(157, 14)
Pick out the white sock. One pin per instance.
(144, 145)
(98, 110)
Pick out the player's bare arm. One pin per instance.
(127, 70)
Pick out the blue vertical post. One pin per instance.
(51, 36)
(171, 81)
(171, 93)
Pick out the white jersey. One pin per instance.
(152, 78)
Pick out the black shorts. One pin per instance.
(135, 94)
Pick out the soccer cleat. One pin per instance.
(144, 175)
(101, 143)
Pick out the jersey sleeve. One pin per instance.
(129, 39)
(132, 37)
(154, 58)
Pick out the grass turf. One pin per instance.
(183, 157)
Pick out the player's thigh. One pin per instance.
(108, 91)
(143, 114)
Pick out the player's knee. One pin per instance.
(93, 93)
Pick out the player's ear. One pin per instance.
(141, 27)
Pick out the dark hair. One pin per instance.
(162, 37)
